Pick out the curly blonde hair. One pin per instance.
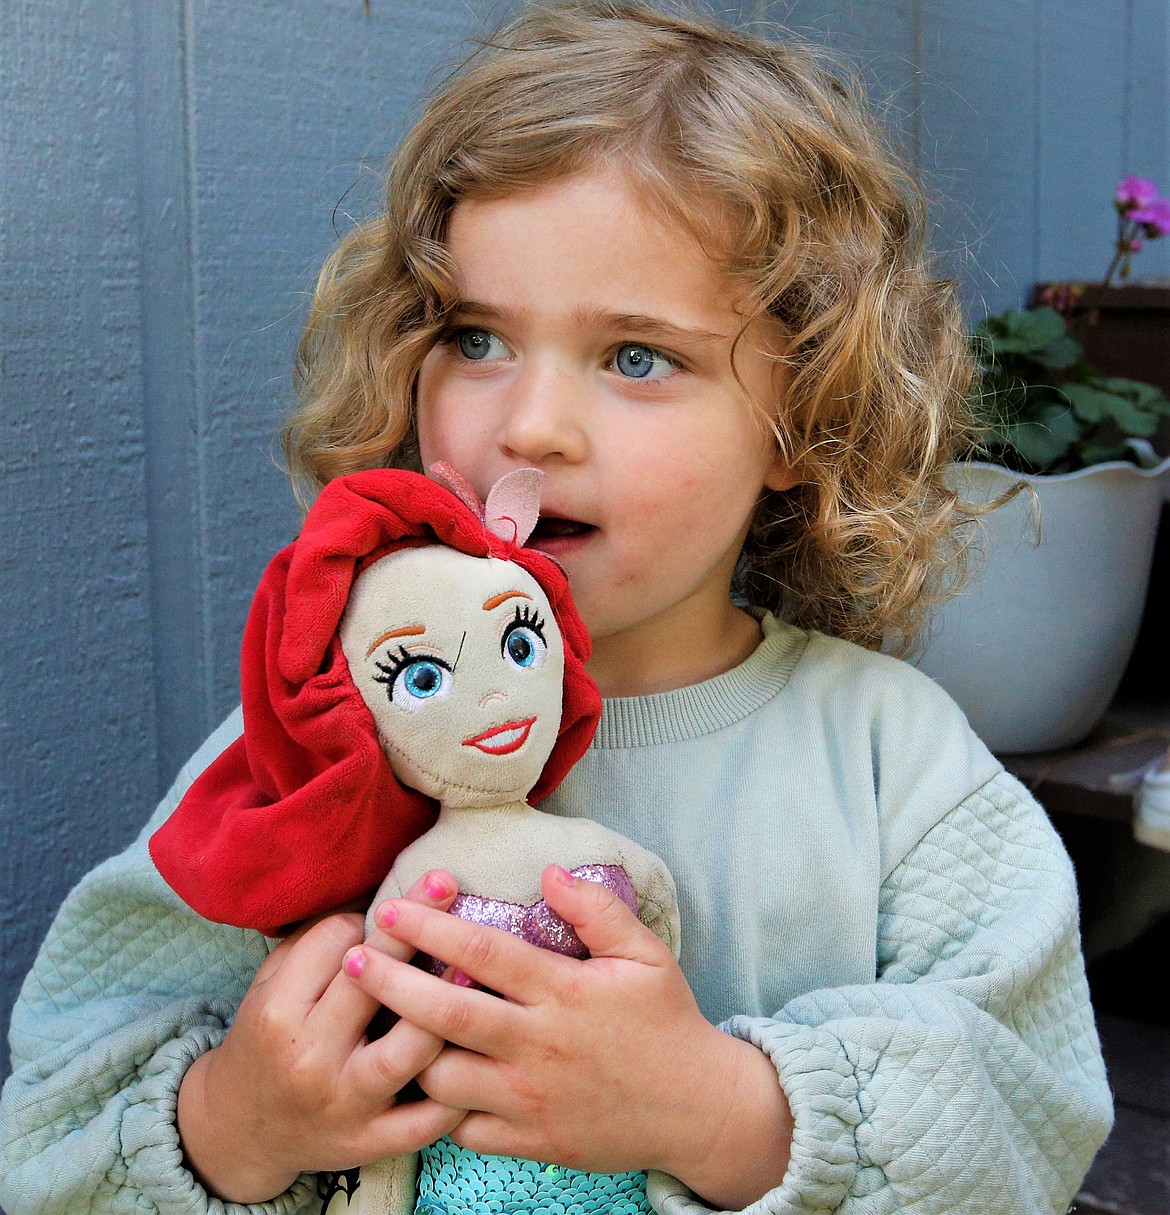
(768, 153)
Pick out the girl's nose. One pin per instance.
(544, 418)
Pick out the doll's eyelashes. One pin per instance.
(414, 679)
(523, 644)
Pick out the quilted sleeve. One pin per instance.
(968, 1079)
(129, 988)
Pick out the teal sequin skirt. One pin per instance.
(453, 1181)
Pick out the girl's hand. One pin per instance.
(295, 1086)
(605, 1065)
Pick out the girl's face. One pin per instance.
(461, 664)
(593, 339)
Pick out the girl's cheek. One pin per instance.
(437, 441)
(427, 419)
(433, 377)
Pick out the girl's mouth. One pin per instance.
(555, 535)
(502, 740)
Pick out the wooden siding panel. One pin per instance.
(1082, 133)
(173, 425)
(879, 38)
(293, 106)
(1147, 116)
(77, 762)
(979, 141)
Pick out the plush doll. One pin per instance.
(405, 654)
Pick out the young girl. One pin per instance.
(672, 267)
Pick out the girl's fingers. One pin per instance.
(280, 951)
(447, 1008)
(382, 1067)
(492, 957)
(436, 889)
(406, 1128)
(465, 1079)
(302, 968)
(491, 1135)
(343, 1010)
(606, 926)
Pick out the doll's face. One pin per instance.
(461, 664)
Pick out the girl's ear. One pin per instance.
(784, 471)
(781, 475)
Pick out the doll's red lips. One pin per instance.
(502, 740)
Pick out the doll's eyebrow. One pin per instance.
(502, 597)
(410, 630)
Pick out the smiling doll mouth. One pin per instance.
(502, 740)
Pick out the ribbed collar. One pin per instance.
(703, 708)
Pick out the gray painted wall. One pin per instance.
(170, 171)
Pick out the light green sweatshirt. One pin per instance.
(865, 895)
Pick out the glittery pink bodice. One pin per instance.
(538, 923)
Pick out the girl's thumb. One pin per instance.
(606, 926)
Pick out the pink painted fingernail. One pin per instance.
(386, 915)
(355, 962)
(435, 887)
(564, 876)
(462, 980)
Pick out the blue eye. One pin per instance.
(412, 680)
(422, 679)
(480, 345)
(523, 645)
(642, 362)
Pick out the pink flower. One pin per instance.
(1141, 212)
(1154, 217)
(1135, 192)
(1060, 296)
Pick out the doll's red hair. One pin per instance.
(302, 814)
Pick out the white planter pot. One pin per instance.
(1035, 646)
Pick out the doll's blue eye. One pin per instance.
(523, 644)
(422, 679)
(521, 647)
(412, 680)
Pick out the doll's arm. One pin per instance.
(387, 1187)
(658, 907)
(391, 888)
(657, 897)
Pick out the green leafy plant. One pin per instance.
(1043, 408)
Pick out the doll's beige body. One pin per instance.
(504, 850)
(501, 852)
(461, 665)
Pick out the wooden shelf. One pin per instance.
(1077, 781)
